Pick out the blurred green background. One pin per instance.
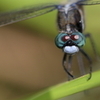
(29, 59)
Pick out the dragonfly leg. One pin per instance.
(88, 35)
(80, 63)
(89, 59)
(66, 67)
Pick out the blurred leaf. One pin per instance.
(67, 88)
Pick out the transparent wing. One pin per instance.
(88, 2)
(25, 13)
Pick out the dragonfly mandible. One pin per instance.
(70, 20)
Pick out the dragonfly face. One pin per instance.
(70, 43)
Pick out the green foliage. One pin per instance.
(67, 88)
(46, 24)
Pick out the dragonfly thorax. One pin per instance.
(70, 17)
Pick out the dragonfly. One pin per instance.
(70, 21)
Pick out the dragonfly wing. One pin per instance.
(25, 13)
(87, 2)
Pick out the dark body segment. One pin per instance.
(70, 17)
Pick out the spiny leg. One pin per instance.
(88, 35)
(66, 67)
(80, 63)
(89, 59)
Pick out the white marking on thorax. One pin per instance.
(66, 8)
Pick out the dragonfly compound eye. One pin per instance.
(78, 38)
(61, 40)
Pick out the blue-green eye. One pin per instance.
(78, 38)
(61, 39)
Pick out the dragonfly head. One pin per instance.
(70, 43)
